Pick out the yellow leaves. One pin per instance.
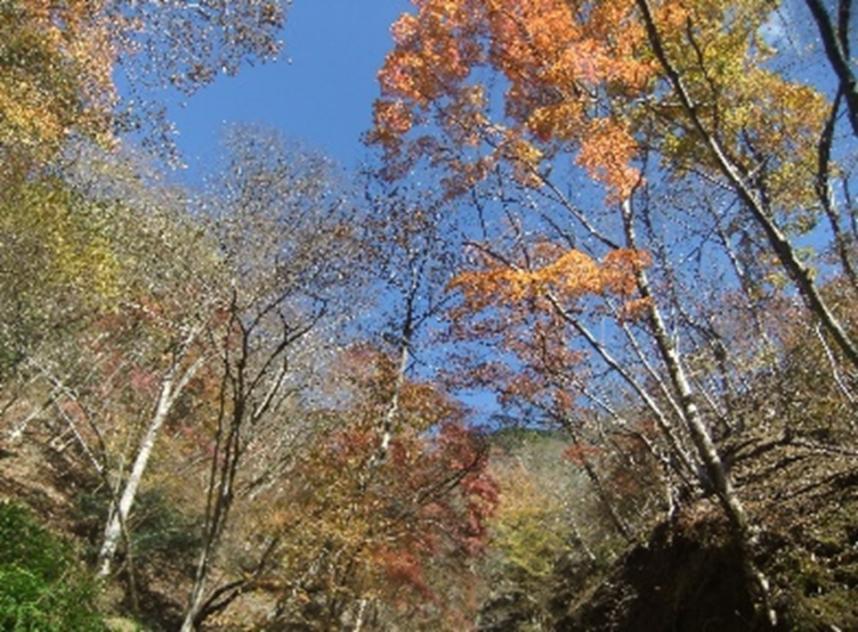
(786, 121)
(25, 117)
(58, 60)
(518, 307)
(528, 526)
(64, 237)
(758, 115)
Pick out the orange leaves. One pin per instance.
(405, 29)
(524, 157)
(569, 276)
(517, 306)
(620, 266)
(429, 54)
(554, 56)
(560, 121)
(607, 155)
(573, 274)
(555, 44)
(56, 65)
(635, 309)
(580, 78)
(526, 34)
(392, 120)
(405, 74)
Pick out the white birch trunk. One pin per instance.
(720, 480)
(119, 512)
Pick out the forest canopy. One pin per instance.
(573, 347)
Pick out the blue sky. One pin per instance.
(320, 92)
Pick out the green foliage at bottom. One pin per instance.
(41, 586)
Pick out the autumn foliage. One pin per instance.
(579, 78)
(584, 319)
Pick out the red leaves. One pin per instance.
(580, 452)
(412, 519)
(145, 382)
(403, 568)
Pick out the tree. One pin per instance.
(58, 62)
(135, 321)
(281, 224)
(588, 82)
(643, 98)
(367, 540)
(59, 262)
(531, 533)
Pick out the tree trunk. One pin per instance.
(745, 534)
(119, 512)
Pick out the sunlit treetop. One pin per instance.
(580, 77)
(59, 61)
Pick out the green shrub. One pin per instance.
(41, 586)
